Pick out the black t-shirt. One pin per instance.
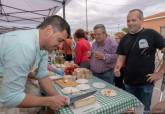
(140, 49)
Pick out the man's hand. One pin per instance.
(117, 72)
(57, 102)
(154, 77)
(89, 54)
(119, 64)
(159, 108)
(99, 55)
(31, 75)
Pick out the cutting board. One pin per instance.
(63, 84)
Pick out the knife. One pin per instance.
(72, 98)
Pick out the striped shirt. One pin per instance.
(109, 50)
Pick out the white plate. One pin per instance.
(70, 90)
(83, 87)
(82, 81)
(108, 92)
(99, 85)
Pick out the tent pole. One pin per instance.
(63, 5)
(86, 16)
(23, 10)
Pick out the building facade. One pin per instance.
(156, 22)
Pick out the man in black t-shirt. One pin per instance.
(137, 52)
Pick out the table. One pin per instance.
(109, 105)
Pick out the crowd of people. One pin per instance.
(126, 60)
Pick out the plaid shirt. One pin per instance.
(109, 49)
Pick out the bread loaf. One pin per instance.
(84, 102)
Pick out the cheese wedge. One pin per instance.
(84, 102)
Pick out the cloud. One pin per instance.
(111, 14)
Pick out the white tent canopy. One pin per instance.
(27, 13)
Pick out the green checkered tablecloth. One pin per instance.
(109, 105)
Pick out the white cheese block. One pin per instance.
(84, 102)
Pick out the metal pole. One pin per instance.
(86, 16)
(23, 10)
(118, 27)
(63, 5)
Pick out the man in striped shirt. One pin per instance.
(103, 55)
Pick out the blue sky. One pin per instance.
(111, 13)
